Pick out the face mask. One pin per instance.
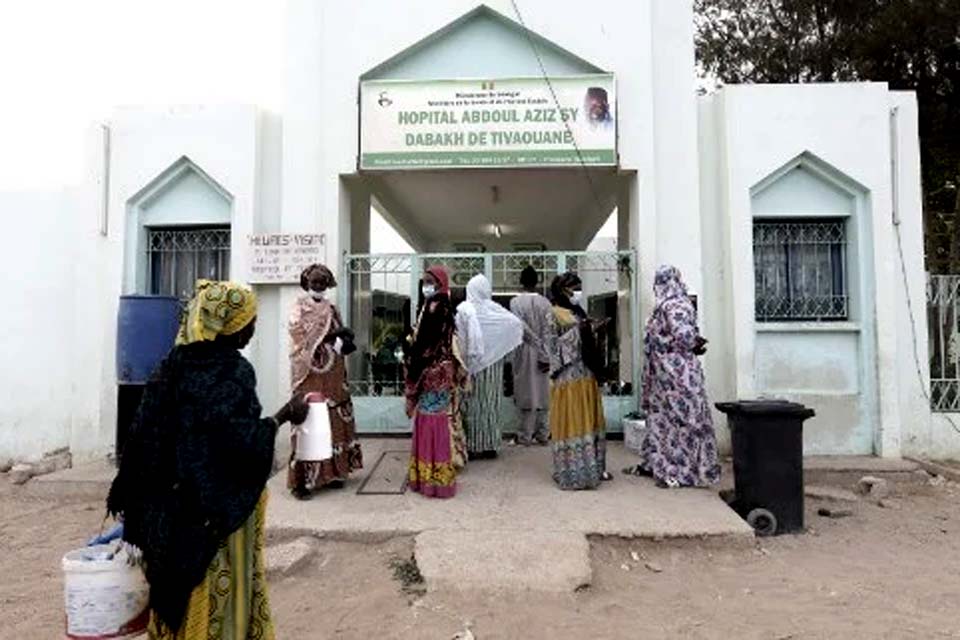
(576, 298)
(428, 291)
(319, 296)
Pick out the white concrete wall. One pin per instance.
(225, 143)
(716, 313)
(922, 434)
(750, 132)
(37, 272)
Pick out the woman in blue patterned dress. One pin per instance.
(680, 447)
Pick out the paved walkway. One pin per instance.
(509, 510)
(512, 492)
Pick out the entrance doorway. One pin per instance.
(379, 299)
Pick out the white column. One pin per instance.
(677, 189)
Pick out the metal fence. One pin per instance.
(382, 293)
(943, 317)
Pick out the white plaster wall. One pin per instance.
(716, 312)
(922, 434)
(223, 142)
(847, 126)
(36, 326)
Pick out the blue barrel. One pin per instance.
(146, 329)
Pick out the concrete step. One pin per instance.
(515, 560)
(289, 557)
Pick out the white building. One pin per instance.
(786, 208)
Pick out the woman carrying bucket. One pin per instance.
(191, 484)
(318, 344)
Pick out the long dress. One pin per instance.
(531, 386)
(487, 334)
(433, 401)
(481, 403)
(680, 446)
(191, 489)
(317, 367)
(232, 601)
(577, 424)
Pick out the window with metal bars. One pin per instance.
(800, 270)
(178, 256)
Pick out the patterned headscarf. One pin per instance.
(668, 284)
(329, 281)
(217, 308)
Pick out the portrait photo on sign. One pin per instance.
(596, 104)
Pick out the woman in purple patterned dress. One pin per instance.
(680, 447)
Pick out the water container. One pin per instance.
(106, 596)
(146, 329)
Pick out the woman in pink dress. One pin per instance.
(435, 377)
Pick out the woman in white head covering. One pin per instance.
(487, 334)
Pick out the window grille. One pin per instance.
(800, 270)
(178, 257)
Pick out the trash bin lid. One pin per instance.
(766, 407)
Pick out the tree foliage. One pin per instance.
(910, 44)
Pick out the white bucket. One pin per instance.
(314, 438)
(633, 434)
(105, 595)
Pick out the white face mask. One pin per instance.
(428, 291)
(576, 298)
(319, 296)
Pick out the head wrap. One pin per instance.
(488, 330)
(442, 276)
(329, 282)
(529, 277)
(217, 309)
(668, 284)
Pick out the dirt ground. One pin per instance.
(882, 573)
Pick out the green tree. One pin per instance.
(910, 44)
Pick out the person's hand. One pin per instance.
(700, 348)
(543, 367)
(294, 411)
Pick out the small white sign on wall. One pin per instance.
(279, 258)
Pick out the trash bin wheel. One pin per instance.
(763, 522)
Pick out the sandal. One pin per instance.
(637, 470)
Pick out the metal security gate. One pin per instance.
(943, 316)
(378, 298)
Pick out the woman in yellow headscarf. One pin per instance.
(192, 480)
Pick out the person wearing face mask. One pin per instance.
(318, 344)
(577, 423)
(435, 377)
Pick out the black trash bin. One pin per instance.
(767, 440)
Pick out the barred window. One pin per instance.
(178, 257)
(800, 270)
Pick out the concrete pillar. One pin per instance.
(677, 190)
